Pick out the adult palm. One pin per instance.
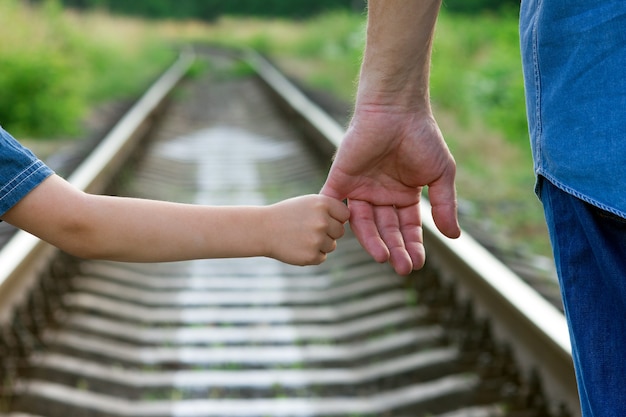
(386, 158)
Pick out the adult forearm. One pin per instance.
(396, 62)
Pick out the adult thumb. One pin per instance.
(331, 190)
(442, 196)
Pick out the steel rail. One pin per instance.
(25, 256)
(516, 310)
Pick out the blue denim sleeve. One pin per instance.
(20, 171)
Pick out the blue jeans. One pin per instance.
(589, 247)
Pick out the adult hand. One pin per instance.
(388, 155)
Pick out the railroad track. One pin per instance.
(254, 337)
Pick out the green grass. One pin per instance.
(478, 93)
(476, 73)
(57, 65)
(324, 51)
(476, 89)
(54, 72)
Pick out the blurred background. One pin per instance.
(63, 64)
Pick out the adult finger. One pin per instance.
(388, 225)
(364, 227)
(411, 229)
(442, 196)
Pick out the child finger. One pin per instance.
(336, 229)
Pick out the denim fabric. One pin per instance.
(20, 171)
(574, 60)
(589, 248)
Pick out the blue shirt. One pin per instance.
(574, 60)
(20, 171)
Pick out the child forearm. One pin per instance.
(150, 231)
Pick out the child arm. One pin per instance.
(137, 230)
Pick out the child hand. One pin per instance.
(302, 230)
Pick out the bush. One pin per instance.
(477, 72)
(40, 93)
(40, 90)
(479, 6)
(56, 66)
(213, 9)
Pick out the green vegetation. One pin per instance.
(54, 72)
(324, 51)
(212, 9)
(476, 88)
(479, 6)
(477, 72)
(478, 93)
(476, 64)
(57, 65)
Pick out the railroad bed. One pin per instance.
(251, 337)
